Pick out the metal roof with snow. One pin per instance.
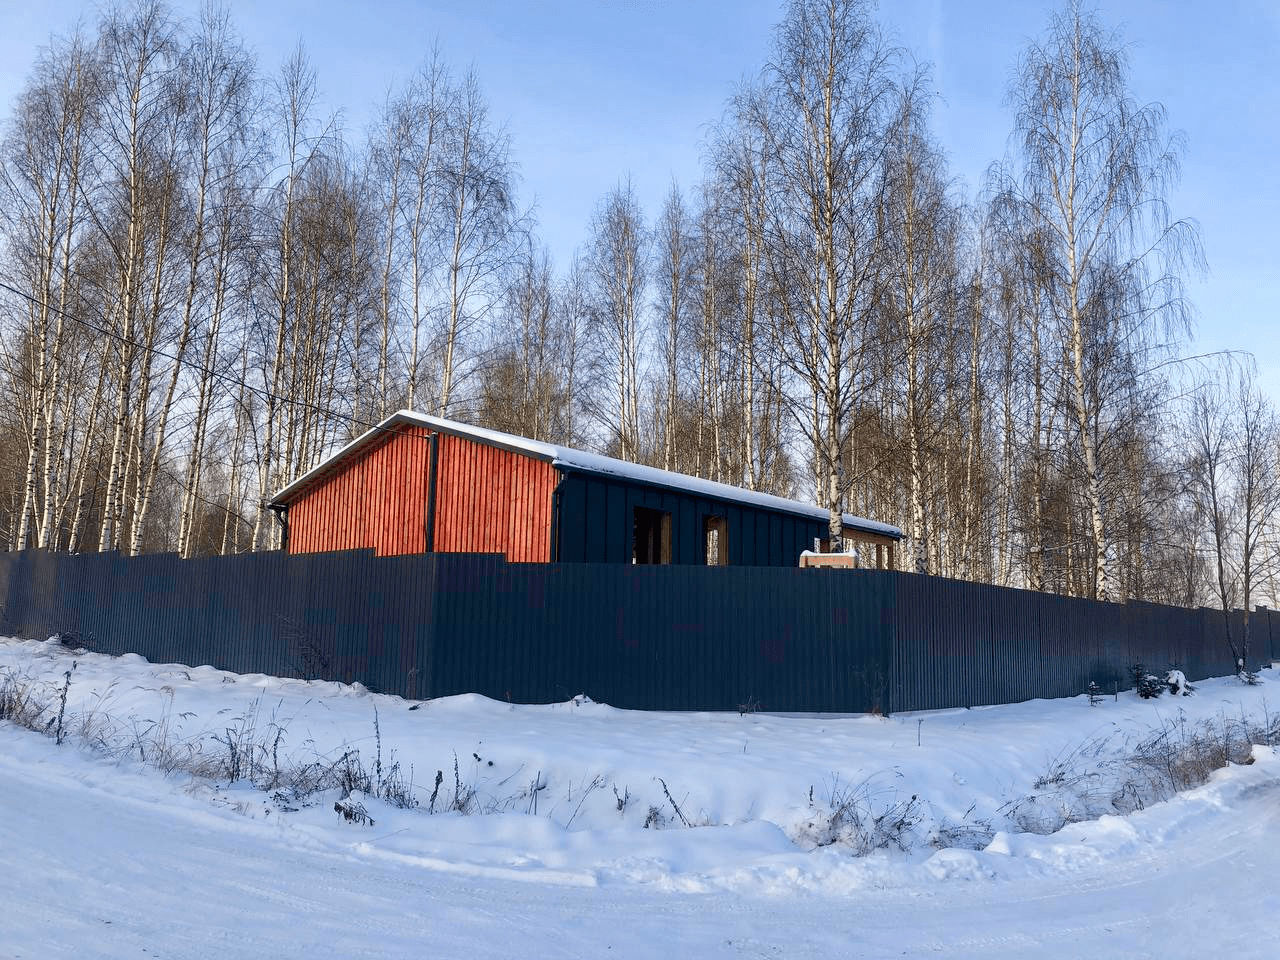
(567, 459)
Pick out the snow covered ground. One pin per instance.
(105, 854)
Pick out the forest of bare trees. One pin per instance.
(209, 285)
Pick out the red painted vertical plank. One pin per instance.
(383, 507)
(457, 481)
(387, 494)
(430, 454)
(523, 519)
(473, 522)
(338, 512)
(381, 496)
(540, 523)
(495, 510)
(531, 522)
(457, 490)
(464, 483)
(444, 494)
(359, 519)
(510, 476)
(478, 523)
(321, 518)
(411, 503)
(444, 501)
(509, 511)
(376, 494)
(499, 505)
(348, 506)
(368, 511)
(396, 489)
(415, 531)
(318, 519)
(508, 505)
(405, 483)
(371, 505)
(474, 484)
(449, 487)
(533, 516)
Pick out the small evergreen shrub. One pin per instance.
(1147, 685)
(1150, 687)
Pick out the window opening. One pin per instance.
(715, 537)
(652, 536)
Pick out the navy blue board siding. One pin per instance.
(596, 525)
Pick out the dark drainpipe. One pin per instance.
(555, 514)
(281, 512)
(429, 541)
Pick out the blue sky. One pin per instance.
(596, 90)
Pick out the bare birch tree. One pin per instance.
(573, 321)
(526, 382)
(479, 239)
(133, 209)
(47, 160)
(921, 230)
(743, 177)
(673, 241)
(1257, 495)
(618, 255)
(293, 111)
(831, 97)
(216, 146)
(713, 455)
(1233, 440)
(407, 152)
(1211, 439)
(1097, 167)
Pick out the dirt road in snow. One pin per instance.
(99, 862)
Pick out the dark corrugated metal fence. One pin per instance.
(649, 637)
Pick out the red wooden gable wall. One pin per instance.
(493, 501)
(487, 501)
(378, 500)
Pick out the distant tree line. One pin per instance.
(208, 286)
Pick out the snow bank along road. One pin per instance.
(103, 857)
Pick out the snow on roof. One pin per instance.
(567, 458)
